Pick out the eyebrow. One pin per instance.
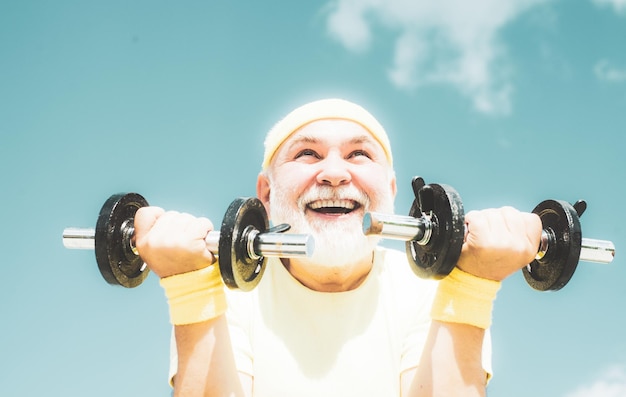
(313, 140)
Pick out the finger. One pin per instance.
(199, 227)
(525, 231)
(475, 221)
(533, 228)
(512, 220)
(480, 227)
(198, 230)
(206, 226)
(145, 218)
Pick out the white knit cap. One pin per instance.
(323, 110)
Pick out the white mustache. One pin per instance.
(316, 193)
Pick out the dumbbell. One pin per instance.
(434, 233)
(243, 243)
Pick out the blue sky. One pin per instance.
(509, 102)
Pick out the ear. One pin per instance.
(394, 186)
(263, 190)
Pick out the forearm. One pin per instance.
(451, 363)
(206, 365)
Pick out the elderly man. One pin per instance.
(352, 319)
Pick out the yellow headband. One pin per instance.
(322, 110)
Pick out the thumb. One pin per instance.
(145, 218)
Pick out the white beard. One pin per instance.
(338, 242)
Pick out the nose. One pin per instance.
(334, 171)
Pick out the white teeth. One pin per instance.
(348, 204)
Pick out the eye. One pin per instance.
(307, 153)
(358, 153)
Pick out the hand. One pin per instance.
(172, 242)
(499, 242)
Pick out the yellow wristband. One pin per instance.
(195, 296)
(466, 299)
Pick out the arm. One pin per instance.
(498, 243)
(451, 363)
(206, 365)
(173, 245)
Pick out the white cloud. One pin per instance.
(349, 26)
(612, 383)
(619, 6)
(447, 42)
(605, 71)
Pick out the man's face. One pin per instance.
(323, 179)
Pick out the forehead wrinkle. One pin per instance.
(310, 139)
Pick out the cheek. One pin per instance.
(374, 178)
(291, 181)
(294, 174)
(377, 185)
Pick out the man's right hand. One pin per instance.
(172, 242)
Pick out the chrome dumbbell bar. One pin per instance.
(407, 228)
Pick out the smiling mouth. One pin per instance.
(333, 207)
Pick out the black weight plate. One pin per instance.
(117, 262)
(556, 268)
(239, 270)
(439, 256)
